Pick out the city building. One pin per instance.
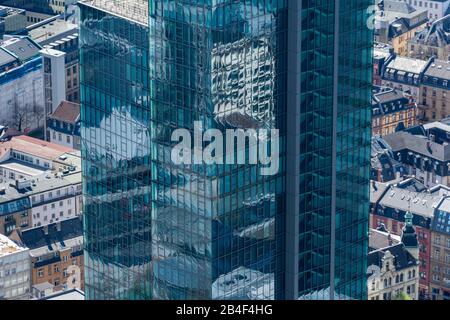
(381, 54)
(393, 269)
(383, 165)
(60, 55)
(48, 7)
(12, 20)
(433, 41)
(434, 101)
(15, 277)
(56, 253)
(424, 151)
(299, 233)
(59, 39)
(437, 9)
(397, 22)
(21, 84)
(404, 74)
(40, 183)
(390, 210)
(440, 252)
(63, 125)
(392, 111)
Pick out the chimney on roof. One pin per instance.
(46, 230)
(390, 241)
(58, 226)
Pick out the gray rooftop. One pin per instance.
(419, 144)
(439, 69)
(23, 47)
(409, 65)
(422, 203)
(379, 239)
(6, 57)
(389, 96)
(52, 31)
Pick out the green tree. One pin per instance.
(402, 296)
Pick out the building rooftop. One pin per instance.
(6, 58)
(419, 144)
(52, 31)
(11, 193)
(135, 10)
(7, 246)
(403, 196)
(33, 146)
(68, 112)
(53, 237)
(21, 167)
(407, 65)
(72, 294)
(380, 239)
(402, 258)
(438, 69)
(382, 50)
(9, 11)
(22, 47)
(377, 190)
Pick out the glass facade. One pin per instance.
(116, 155)
(217, 230)
(156, 230)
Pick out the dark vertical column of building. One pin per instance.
(315, 139)
(352, 132)
(334, 149)
(293, 148)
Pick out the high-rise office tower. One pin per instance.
(156, 229)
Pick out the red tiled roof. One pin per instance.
(33, 146)
(66, 111)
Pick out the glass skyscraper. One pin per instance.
(157, 230)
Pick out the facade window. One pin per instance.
(437, 240)
(41, 273)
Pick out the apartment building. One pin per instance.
(56, 254)
(15, 280)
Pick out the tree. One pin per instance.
(402, 296)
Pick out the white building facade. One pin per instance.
(15, 271)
